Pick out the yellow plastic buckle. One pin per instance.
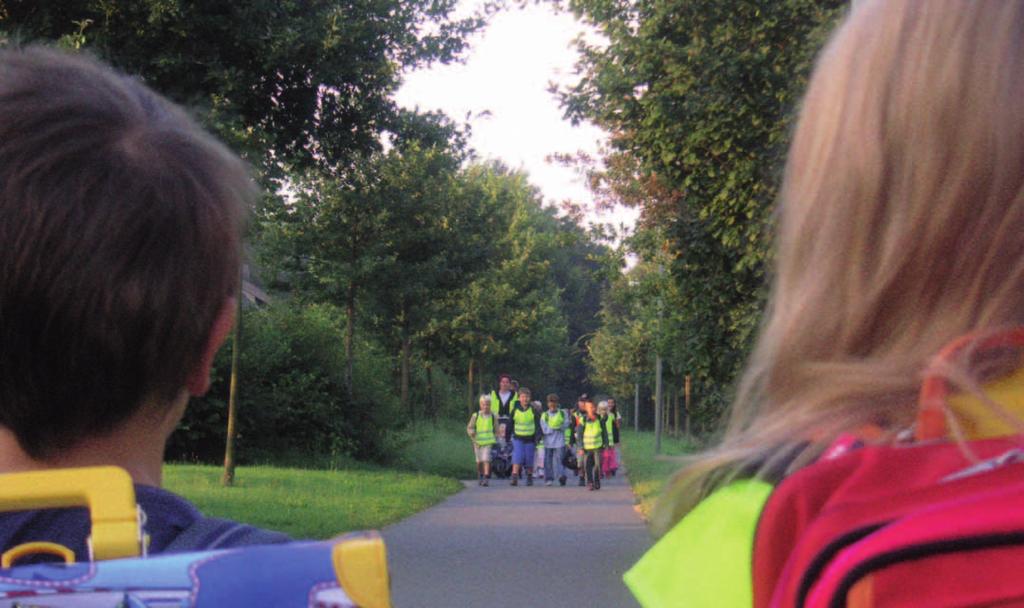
(34, 548)
(107, 492)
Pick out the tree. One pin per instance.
(289, 82)
(698, 96)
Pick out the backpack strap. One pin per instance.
(214, 533)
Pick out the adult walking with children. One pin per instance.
(481, 429)
(503, 400)
(553, 423)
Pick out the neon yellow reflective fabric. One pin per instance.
(707, 559)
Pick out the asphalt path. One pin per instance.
(519, 547)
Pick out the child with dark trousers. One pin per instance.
(591, 439)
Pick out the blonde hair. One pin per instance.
(900, 228)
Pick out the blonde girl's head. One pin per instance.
(900, 228)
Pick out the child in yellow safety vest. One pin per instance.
(525, 433)
(554, 423)
(482, 429)
(578, 415)
(591, 439)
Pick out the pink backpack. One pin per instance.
(921, 524)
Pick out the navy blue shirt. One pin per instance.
(166, 516)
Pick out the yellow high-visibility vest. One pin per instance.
(525, 422)
(592, 434)
(485, 430)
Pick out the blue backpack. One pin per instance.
(344, 572)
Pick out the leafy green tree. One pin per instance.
(531, 311)
(698, 96)
(293, 393)
(288, 81)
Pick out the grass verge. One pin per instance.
(438, 448)
(309, 503)
(648, 473)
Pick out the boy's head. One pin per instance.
(120, 231)
(524, 396)
(552, 402)
(485, 403)
(581, 403)
(588, 408)
(602, 408)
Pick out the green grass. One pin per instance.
(319, 496)
(438, 448)
(648, 473)
(309, 503)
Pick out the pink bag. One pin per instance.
(608, 461)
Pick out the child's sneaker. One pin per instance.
(590, 487)
(548, 482)
(529, 480)
(561, 480)
(582, 482)
(486, 482)
(515, 480)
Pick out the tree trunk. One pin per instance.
(229, 447)
(687, 388)
(675, 413)
(636, 407)
(658, 405)
(406, 356)
(469, 386)
(431, 406)
(350, 331)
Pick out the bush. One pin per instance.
(292, 392)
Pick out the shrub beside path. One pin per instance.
(519, 546)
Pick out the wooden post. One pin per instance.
(687, 387)
(229, 448)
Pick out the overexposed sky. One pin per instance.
(503, 87)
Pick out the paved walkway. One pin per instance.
(518, 547)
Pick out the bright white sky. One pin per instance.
(507, 73)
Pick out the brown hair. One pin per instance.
(900, 229)
(120, 230)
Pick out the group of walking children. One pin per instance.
(542, 437)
